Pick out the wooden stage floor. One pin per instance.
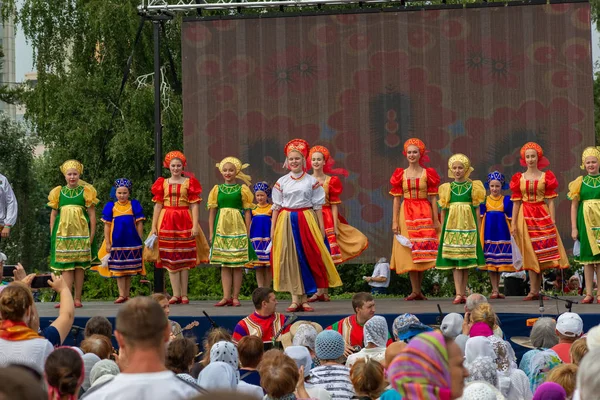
(386, 306)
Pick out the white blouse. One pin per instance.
(298, 191)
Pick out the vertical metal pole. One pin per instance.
(159, 285)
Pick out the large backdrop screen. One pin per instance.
(480, 81)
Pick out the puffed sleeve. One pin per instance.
(138, 211)
(54, 197)
(515, 187)
(247, 198)
(551, 185)
(318, 195)
(158, 190)
(482, 208)
(444, 192)
(107, 212)
(508, 207)
(277, 196)
(194, 190)
(433, 182)
(575, 189)
(478, 193)
(11, 204)
(396, 182)
(335, 190)
(213, 197)
(90, 195)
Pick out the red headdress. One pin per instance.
(424, 159)
(328, 167)
(543, 162)
(174, 154)
(299, 145)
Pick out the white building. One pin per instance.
(7, 73)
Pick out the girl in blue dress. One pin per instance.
(260, 234)
(123, 229)
(496, 213)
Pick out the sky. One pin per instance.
(24, 55)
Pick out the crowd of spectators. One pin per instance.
(467, 358)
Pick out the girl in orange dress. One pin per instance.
(182, 244)
(415, 218)
(534, 216)
(345, 242)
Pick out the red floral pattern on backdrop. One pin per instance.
(480, 81)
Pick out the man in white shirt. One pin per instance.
(380, 280)
(142, 332)
(8, 207)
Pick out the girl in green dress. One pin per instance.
(72, 226)
(460, 247)
(584, 193)
(230, 206)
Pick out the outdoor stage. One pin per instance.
(512, 312)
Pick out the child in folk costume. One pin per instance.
(230, 206)
(300, 258)
(182, 244)
(460, 246)
(584, 193)
(415, 218)
(533, 223)
(345, 242)
(72, 227)
(123, 230)
(260, 234)
(496, 213)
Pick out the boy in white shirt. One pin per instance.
(380, 280)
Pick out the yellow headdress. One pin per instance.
(464, 160)
(238, 168)
(67, 165)
(591, 151)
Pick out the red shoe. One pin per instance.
(411, 297)
(224, 303)
(57, 305)
(175, 300)
(313, 298)
(589, 299)
(532, 297)
(236, 303)
(495, 295)
(306, 307)
(457, 299)
(291, 308)
(78, 304)
(463, 300)
(185, 300)
(420, 296)
(319, 297)
(120, 300)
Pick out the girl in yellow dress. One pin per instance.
(72, 226)
(533, 227)
(230, 206)
(460, 247)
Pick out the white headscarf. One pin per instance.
(101, 368)
(452, 325)
(306, 335)
(226, 352)
(478, 346)
(482, 369)
(302, 357)
(89, 360)
(218, 375)
(376, 331)
(481, 391)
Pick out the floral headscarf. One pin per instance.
(540, 366)
(482, 369)
(422, 371)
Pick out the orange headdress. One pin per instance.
(422, 150)
(299, 145)
(328, 166)
(174, 154)
(543, 162)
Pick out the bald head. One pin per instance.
(474, 300)
(392, 351)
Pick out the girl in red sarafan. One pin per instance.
(534, 216)
(415, 218)
(182, 244)
(345, 242)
